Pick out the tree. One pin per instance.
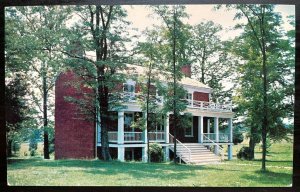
(176, 42)
(212, 61)
(148, 91)
(15, 108)
(39, 32)
(264, 73)
(99, 30)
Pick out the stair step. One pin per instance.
(197, 154)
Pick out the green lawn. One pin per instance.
(235, 173)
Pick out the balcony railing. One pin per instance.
(223, 137)
(204, 105)
(157, 136)
(132, 97)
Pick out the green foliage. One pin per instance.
(266, 72)
(34, 37)
(238, 137)
(244, 153)
(33, 141)
(16, 146)
(156, 152)
(16, 109)
(212, 62)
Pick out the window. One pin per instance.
(128, 88)
(128, 119)
(188, 131)
(189, 98)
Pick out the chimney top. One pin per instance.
(186, 70)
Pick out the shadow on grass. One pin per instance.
(273, 161)
(136, 170)
(269, 177)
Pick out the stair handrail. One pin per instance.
(220, 148)
(182, 145)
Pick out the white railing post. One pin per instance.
(230, 138)
(167, 128)
(181, 144)
(216, 131)
(145, 130)
(217, 146)
(200, 129)
(121, 127)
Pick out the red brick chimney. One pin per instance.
(186, 70)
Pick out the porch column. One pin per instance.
(200, 129)
(166, 153)
(208, 125)
(216, 131)
(121, 149)
(230, 139)
(145, 136)
(167, 128)
(230, 130)
(145, 154)
(121, 153)
(121, 127)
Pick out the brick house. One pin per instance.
(76, 137)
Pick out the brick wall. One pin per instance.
(198, 96)
(74, 135)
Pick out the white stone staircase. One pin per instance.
(195, 153)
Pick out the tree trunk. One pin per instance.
(174, 86)
(265, 101)
(148, 97)
(104, 114)
(45, 116)
(9, 148)
(252, 147)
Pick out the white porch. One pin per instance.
(123, 139)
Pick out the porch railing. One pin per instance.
(135, 137)
(223, 137)
(178, 143)
(216, 145)
(132, 137)
(113, 136)
(156, 136)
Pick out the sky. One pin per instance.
(139, 16)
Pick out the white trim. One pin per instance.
(198, 89)
(200, 129)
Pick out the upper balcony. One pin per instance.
(132, 97)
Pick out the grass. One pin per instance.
(235, 173)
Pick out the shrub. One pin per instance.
(244, 153)
(33, 153)
(156, 152)
(51, 148)
(16, 146)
